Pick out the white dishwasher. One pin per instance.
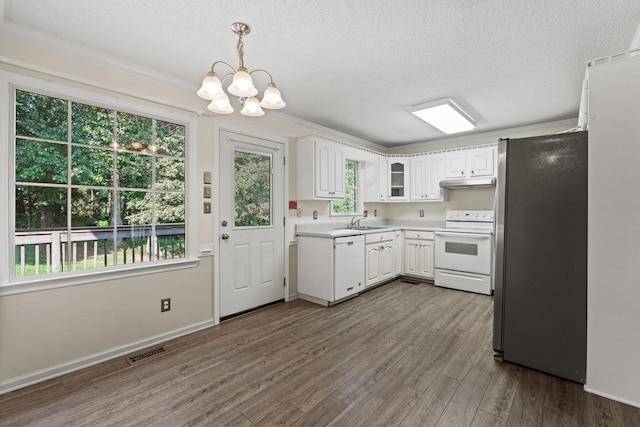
(349, 266)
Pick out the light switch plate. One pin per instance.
(207, 192)
(206, 177)
(207, 207)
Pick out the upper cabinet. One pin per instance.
(481, 161)
(375, 185)
(470, 163)
(398, 183)
(426, 173)
(385, 178)
(320, 169)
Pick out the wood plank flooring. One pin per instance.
(398, 355)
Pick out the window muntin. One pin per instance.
(126, 199)
(349, 205)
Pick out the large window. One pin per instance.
(349, 205)
(94, 187)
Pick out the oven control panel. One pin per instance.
(470, 215)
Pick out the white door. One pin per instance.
(251, 222)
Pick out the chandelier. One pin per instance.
(241, 86)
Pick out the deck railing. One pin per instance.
(93, 247)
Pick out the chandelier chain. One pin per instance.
(240, 50)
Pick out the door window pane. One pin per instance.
(252, 189)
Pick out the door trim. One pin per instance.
(216, 211)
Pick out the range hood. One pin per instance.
(468, 182)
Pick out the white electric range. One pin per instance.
(464, 251)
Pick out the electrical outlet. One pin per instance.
(165, 305)
(299, 212)
(421, 213)
(375, 212)
(315, 214)
(366, 213)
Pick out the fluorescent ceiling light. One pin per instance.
(444, 115)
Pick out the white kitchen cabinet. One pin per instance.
(321, 164)
(426, 173)
(382, 178)
(455, 164)
(330, 269)
(419, 253)
(399, 246)
(470, 163)
(376, 180)
(481, 162)
(398, 183)
(380, 259)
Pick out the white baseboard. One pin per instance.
(84, 362)
(612, 397)
(313, 299)
(293, 296)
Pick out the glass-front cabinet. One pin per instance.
(398, 179)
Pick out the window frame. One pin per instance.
(9, 83)
(359, 204)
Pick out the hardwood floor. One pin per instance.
(399, 355)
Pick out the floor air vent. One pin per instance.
(410, 282)
(145, 356)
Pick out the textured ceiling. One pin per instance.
(356, 66)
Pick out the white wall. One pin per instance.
(48, 332)
(613, 337)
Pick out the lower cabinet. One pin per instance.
(330, 269)
(380, 257)
(419, 253)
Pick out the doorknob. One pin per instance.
(225, 236)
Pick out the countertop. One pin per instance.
(334, 229)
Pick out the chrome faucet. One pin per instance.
(354, 222)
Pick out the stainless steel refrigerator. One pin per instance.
(540, 312)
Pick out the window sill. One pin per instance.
(62, 280)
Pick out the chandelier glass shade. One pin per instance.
(241, 85)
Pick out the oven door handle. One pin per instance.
(465, 235)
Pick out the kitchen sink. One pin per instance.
(367, 227)
(359, 228)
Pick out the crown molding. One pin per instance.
(87, 53)
(500, 133)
